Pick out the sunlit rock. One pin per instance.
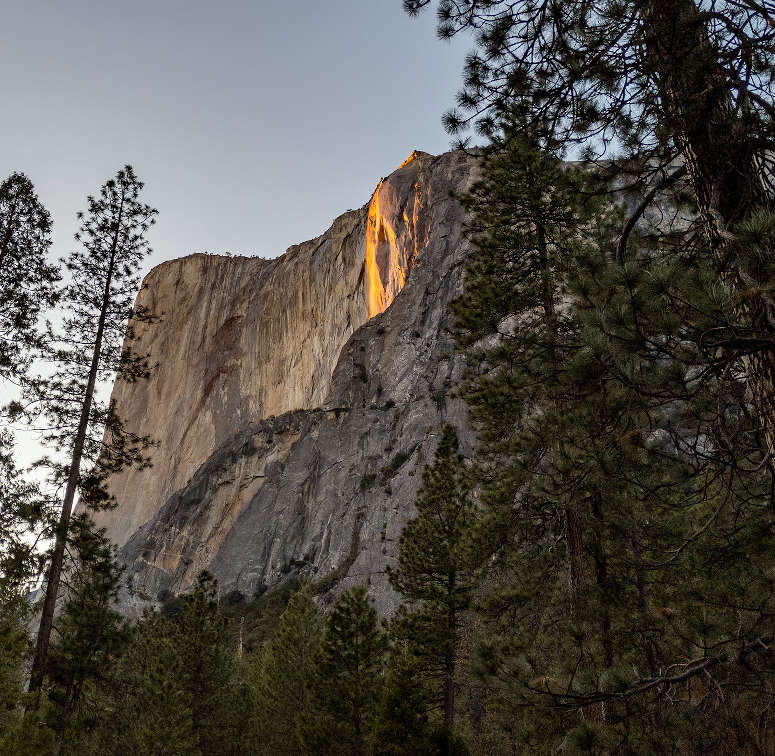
(297, 399)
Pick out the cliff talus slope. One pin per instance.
(297, 399)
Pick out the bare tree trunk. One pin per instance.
(38, 671)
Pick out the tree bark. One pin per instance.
(38, 671)
(575, 558)
(449, 655)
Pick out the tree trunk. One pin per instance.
(575, 558)
(720, 161)
(449, 655)
(38, 671)
(572, 521)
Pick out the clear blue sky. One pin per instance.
(253, 124)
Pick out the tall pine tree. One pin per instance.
(98, 301)
(654, 91)
(434, 573)
(286, 667)
(347, 677)
(620, 411)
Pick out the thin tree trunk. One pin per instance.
(575, 559)
(572, 520)
(449, 655)
(599, 712)
(601, 577)
(643, 603)
(38, 671)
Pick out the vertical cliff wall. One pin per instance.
(243, 338)
(296, 399)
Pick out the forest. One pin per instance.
(599, 577)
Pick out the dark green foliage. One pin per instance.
(175, 689)
(624, 79)
(27, 279)
(433, 571)
(662, 95)
(14, 654)
(27, 290)
(367, 481)
(206, 652)
(262, 615)
(94, 342)
(401, 725)
(626, 496)
(347, 677)
(23, 511)
(282, 677)
(27, 734)
(395, 464)
(90, 633)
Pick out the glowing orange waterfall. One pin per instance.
(376, 293)
(390, 246)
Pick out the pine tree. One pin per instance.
(203, 643)
(347, 677)
(283, 696)
(91, 634)
(23, 510)
(433, 571)
(619, 410)
(14, 647)
(145, 710)
(27, 290)
(27, 279)
(401, 725)
(98, 300)
(655, 91)
(172, 691)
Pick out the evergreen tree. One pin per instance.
(204, 644)
(171, 692)
(91, 634)
(401, 725)
(283, 697)
(433, 571)
(347, 677)
(27, 289)
(27, 280)
(146, 710)
(23, 510)
(654, 90)
(618, 411)
(98, 301)
(14, 648)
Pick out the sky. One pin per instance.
(252, 123)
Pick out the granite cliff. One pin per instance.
(297, 399)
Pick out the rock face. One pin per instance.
(297, 399)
